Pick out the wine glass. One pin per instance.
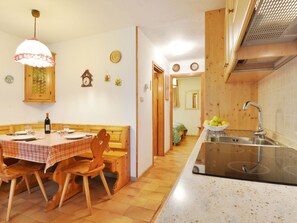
(28, 129)
(66, 129)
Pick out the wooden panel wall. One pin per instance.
(225, 99)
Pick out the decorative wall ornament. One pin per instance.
(87, 79)
(175, 67)
(115, 56)
(107, 77)
(9, 79)
(166, 87)
(194, 66)
(118, 82)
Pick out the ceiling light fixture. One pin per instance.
(32, 52)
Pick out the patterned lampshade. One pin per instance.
(34, 53)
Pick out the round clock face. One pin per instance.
(194, 66)
(86, 81)
(115, 56)
(9, 79)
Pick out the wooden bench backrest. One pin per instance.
(119, 135)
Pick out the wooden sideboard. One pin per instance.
(117, 160)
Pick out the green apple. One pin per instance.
(224, 122)
(213, 123)
(216, 118)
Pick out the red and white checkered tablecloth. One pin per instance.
(50, 149)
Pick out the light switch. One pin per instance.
(141, 99)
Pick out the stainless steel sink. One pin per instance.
(243, 140)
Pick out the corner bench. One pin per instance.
(117, 160)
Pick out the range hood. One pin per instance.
(270, 40)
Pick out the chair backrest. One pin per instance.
(98, 145)
(2, 165)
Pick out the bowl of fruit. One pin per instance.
(216, 124)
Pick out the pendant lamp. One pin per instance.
(32, 52)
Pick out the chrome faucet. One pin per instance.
(260, 132)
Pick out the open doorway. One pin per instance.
(158, 110)
(186, 105)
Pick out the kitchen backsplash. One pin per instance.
(277, 94)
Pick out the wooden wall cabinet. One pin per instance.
(40, 84)
(237, 17)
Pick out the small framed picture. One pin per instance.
(166, 87)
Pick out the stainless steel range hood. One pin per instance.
(273, 21)
(270, 40)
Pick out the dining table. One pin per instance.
(56, 149)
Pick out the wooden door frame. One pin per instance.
(160, 71)
(185, 75)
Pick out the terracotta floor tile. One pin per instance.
(113, 206)
(152, 195)
(108, 217)
(130, 191)
(140, 213)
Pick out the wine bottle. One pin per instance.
(47, 124)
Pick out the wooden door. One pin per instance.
(158, 111)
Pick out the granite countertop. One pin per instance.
(200, 198)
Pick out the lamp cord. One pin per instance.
(34, 27)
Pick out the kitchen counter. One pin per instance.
(200, 198)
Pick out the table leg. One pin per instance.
(59, 177)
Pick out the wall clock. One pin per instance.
(115, 56)
(194, 66)
(87, 79)
(9, 79)
(175, 67)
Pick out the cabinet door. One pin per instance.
(228, 30)
(237, 17)
(39, 84)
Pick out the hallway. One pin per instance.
(137, 202)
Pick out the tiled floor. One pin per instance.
(137, 202)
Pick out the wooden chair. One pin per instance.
(89, 168)
(14, 171)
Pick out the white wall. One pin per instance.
(147, 53)
(190, 118)
(185, 66)
(13, 109)
(277, 94)
(104, 103)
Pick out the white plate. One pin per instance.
(215, 128)
(75, 136)
(22, 137)
(69, 131)
(21, 133)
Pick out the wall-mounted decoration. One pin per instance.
(118, 82)
(9, 79)
(107, 77)
(146, 87)
(115, 56)
(87, 79)
(175, 67)
(194, 66)
(192, 100)
(166, 87)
